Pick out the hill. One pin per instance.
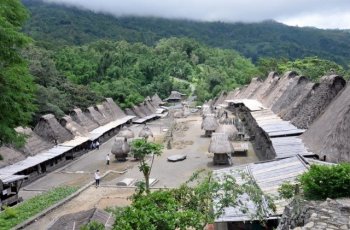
(72, 26)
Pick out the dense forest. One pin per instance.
(72, 26)
(75, 58)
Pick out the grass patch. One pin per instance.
(23, 211)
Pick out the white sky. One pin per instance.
(317, 13)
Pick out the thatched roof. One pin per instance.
(156, 101)
(219, 143)
(126, 132)
(79, 117)
(221, 98)
(206, 109)
(120, 146)
(138, 111)
(210, 123)
(150, 106)
(230, 130)
(73, 127)
(175, 95)
(96, 116)
(113, 109)
(34, 143)
(49, 129)
(145, 132)
(101, 109)
(130, 112)
(77, 220)
(10, 156)
(144, 109)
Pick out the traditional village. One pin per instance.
(150, 122)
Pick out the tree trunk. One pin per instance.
(147, 183)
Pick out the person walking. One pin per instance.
(107, 159)
(97, 144)
(97, 178)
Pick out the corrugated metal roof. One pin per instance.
(75, 142)
(268, 176)
(11, 178)
(289, 146)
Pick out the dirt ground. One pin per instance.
(187, 139)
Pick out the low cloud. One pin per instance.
(318, 13)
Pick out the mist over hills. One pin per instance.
(53, 25)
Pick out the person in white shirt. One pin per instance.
(97, 145)
(107, 159)
(97, 178)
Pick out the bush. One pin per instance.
(322, 181)
(94, 225)
(286, 190)
(9, 212)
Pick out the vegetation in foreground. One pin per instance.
(13, 216)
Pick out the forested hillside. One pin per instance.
(71, 26)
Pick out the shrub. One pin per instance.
(94, 225)
(9, 212)
(286, 190)
(322, 181)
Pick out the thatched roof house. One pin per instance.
(138, 111)
(113, 109)
(34, 143)
(49, 129)
(145, 132)
(120, 148)
(96, 116)
(156, 101)
(79, 219)
(101, 109)
(210, 123)
(79, 117)
(129, 112)
(220, 144)
(230, 130)
(10, 156)
(126, 132)
(175, 96)
(144, 109)
(150, 106)
(73, 127)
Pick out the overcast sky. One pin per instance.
(317, 13)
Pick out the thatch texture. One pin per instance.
(138, 111)
(113, 109)
(126, 132)
(145, 132)
(220, 143)
(210, 123)
(34, 143)
(144, 109)
(102, 110)
(150, 107)
(73, 127)
(10, 156)
(96, 116)
(329, 135)
(266, 87)
(120, 147)
(206, 109)
(79, 117)
(130, 112)
(318, 100)
(221, 98)
(229, 130)
(156, 101)
(50, 130)
(232, 94)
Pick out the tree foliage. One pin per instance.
(16, 85)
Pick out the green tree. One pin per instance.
(140, 148)
(16, 85)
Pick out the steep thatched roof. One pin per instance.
(219, 143)
(96, 116)
(126, 132)
(73, 127)
(210, 123)
(49, 129)
(150, 106)
(120, 146)
(175, 95)
(230, 130)
(113, 109)
(145, 132)
(156, 101)
(221, 98)
(10, 156)
(77, 220)
(101, 109)
(79, 117)
(138, 111)
(144, 109)
(34, 143)
(130, 112)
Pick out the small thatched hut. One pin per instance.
(120, 148)
(206, 109)
(221, 147)
(209, 124)
(79, 117)
(175, 97)
(230, 130)
(50, 130)
(145, 132)
(126, 132)
(34, 143)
